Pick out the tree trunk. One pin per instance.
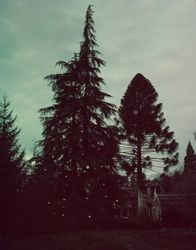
(140, 198)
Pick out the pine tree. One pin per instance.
(79, 148)
(11, 165)
(61, 136)
(189, 151)
(98, 141)
(144, 125)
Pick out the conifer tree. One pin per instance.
(144, 125)
(78, 146)
(61, 136)
(98, 156)
(11, 165)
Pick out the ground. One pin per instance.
(107, 240)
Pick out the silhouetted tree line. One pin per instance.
(75, 174)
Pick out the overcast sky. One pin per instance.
(154, 37)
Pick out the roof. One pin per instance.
(153, 182)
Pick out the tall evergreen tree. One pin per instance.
(11, 166)
(61, 134)
(79, 147)
(144, 125)
(97, 156)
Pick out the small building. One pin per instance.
(153, 188)
(127, 205)
(178, 206)
(157, 203)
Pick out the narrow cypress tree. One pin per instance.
(11, 166)
(144, 125)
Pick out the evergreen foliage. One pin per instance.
(11, 166)
(144, 125)
(189, 151)
(79, 149)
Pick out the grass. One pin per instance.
(85, 240)
(107, 240)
